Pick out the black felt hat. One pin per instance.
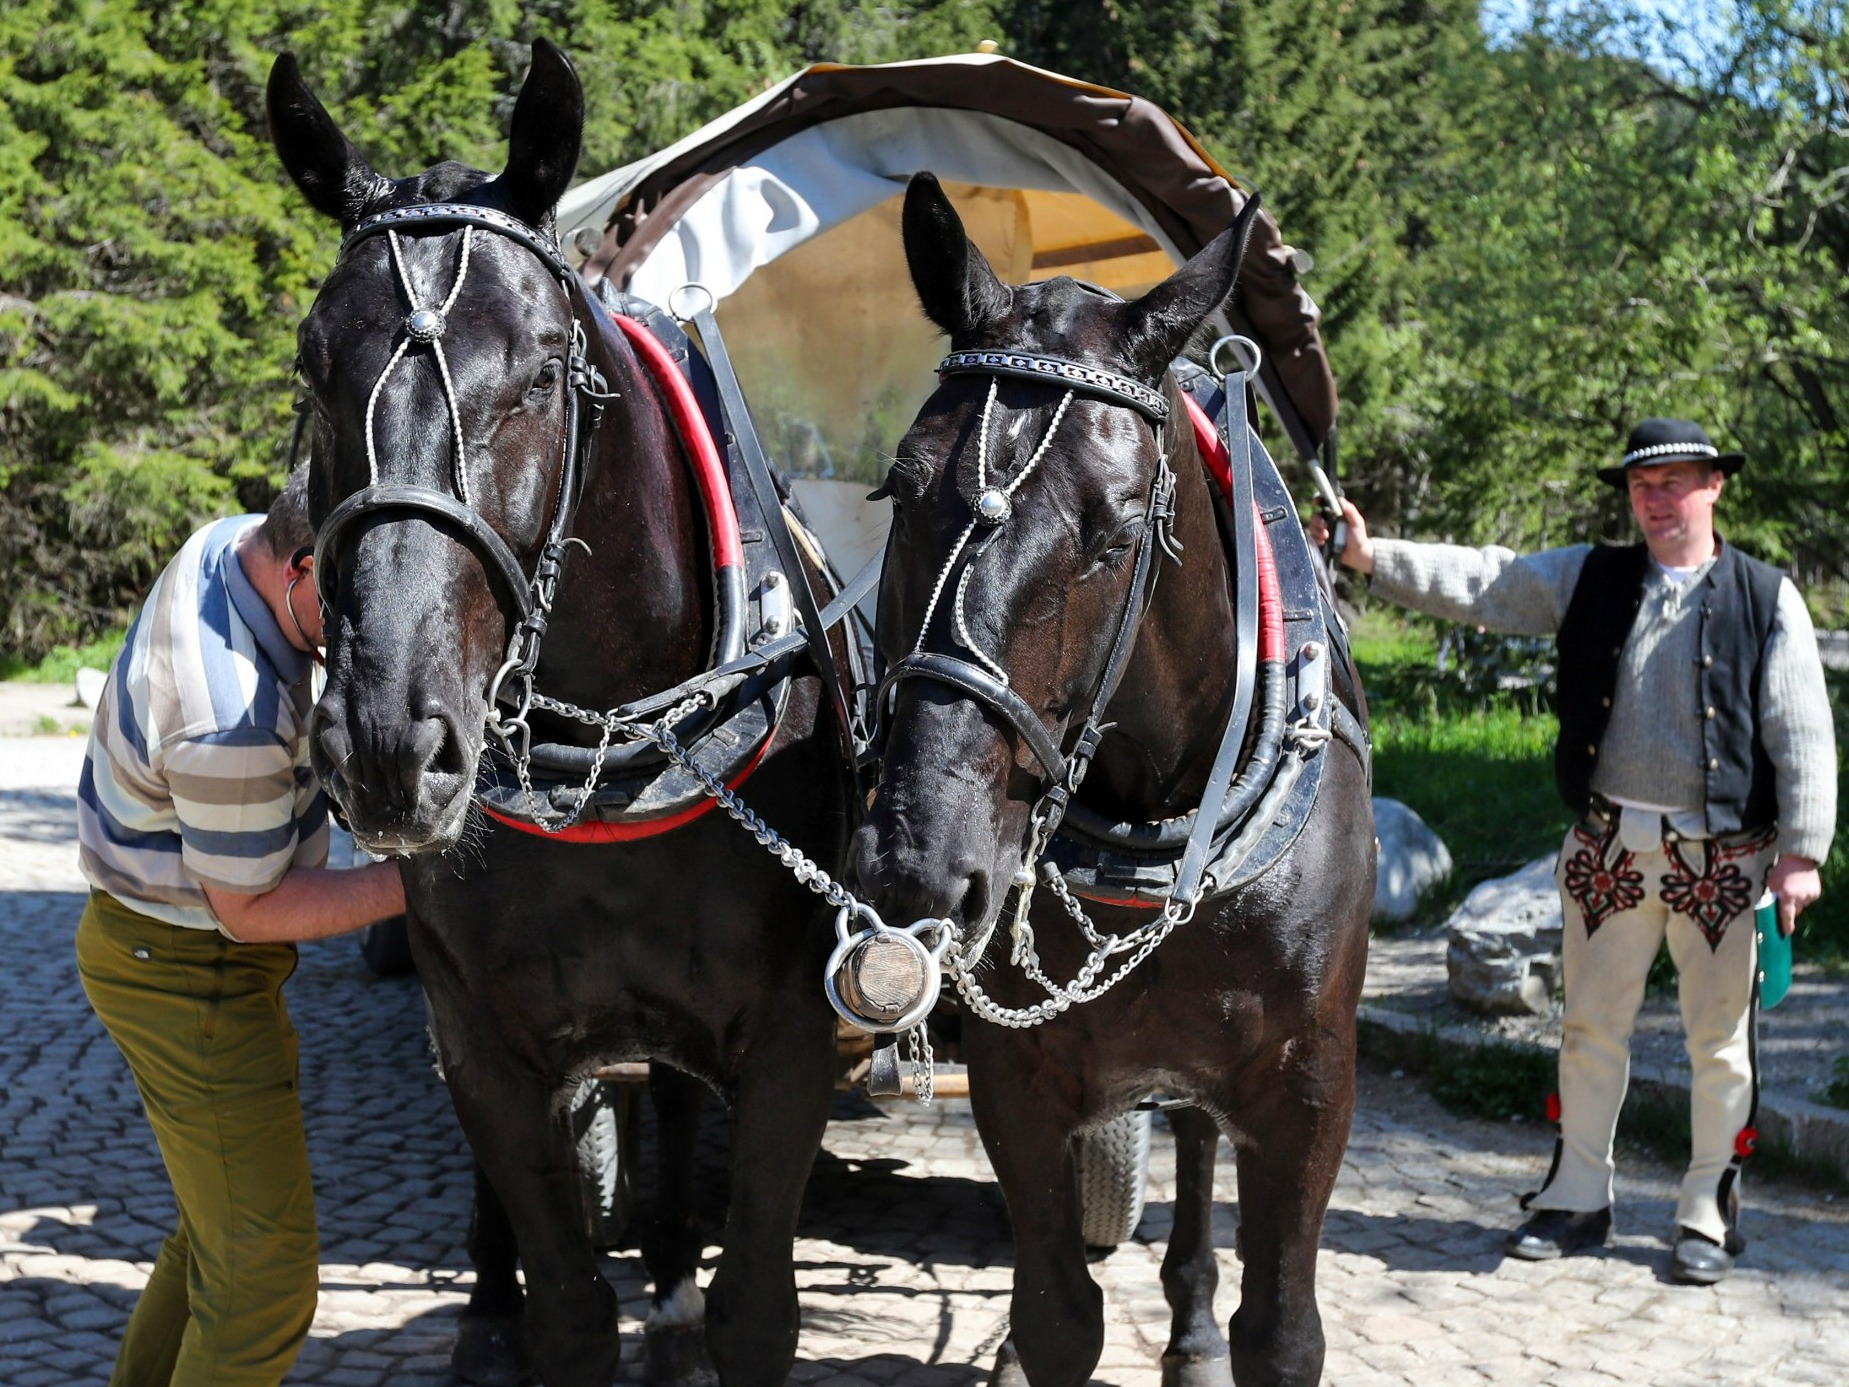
(1657, 441)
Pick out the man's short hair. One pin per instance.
(286, 530)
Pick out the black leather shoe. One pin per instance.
(1698, 1260)
(1555, 1233)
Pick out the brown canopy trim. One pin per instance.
(1158, 162)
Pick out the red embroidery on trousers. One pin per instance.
(1719, 893)
(1601, 888)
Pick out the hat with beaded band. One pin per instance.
(1656, 441)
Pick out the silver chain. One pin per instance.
(924, 1065)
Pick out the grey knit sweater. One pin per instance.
(1651, 753)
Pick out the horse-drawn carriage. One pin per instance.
(718, 541)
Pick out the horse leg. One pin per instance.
(781, 1107)
(524, 1146)
(1197, 1352)
(1287, 1171)
(489, 1351)
(676, 1328)
(1057, 1311)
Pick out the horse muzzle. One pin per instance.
(403, 786)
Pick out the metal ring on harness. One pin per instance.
(1245, 351)
(692, 286)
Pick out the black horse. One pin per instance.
(1027, 514)
(454, 363)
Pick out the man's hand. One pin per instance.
(1358, 553)
(1795, 882)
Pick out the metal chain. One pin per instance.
(924, 1065)
(611, 724)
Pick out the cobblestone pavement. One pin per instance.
(903, 1258)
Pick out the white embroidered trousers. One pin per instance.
(1619, 905)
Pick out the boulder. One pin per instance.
(1504, 953)
(1413, 860)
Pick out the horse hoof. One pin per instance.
(490, 1352)
(1179, 1371)
(676, 1356)
(1008, 1371)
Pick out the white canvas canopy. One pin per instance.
(787, 211)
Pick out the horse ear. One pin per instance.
(956, 288)
(545, 136)
(332, 174)
(1163, 319)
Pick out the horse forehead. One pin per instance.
(1061, 317)
(367, 284)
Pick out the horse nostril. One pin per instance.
(330, 738)
(418, 752)
(975, 897)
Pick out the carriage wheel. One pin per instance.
(606, 1128)
(386, 947)
(1113, 1169)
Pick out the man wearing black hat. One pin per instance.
(1697, 749)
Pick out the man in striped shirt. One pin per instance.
(204, 837)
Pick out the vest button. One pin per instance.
(1592, 750)
(1606, 702)
(1714, 763)
(1707, 661)
(1708, 712)
(1616, 651)
(141, 953)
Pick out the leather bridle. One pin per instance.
(525, 600)
(1063, 771)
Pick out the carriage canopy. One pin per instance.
(787, 210)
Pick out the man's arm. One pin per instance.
(311, 903)
(1795, 729)
(1523, 595)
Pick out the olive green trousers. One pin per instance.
(202, 1023)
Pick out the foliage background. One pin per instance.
(1523, 241)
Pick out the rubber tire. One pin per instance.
(386, 947)
(1113, 1174)
(606, 1132)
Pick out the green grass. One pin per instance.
(1479, 771)
(62, 664)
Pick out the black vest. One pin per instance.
(1738, 604)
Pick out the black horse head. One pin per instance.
(471, 404)
(1035, 599)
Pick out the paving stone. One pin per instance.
(904, 1263)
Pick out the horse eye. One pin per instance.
(547, 378)
(1124, 539)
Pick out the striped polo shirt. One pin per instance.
(197, 772)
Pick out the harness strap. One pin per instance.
(770, 504)
(1248, 530)
(442, 510)
(979, 684)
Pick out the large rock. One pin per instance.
(1504, 954)
(1413, 860)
